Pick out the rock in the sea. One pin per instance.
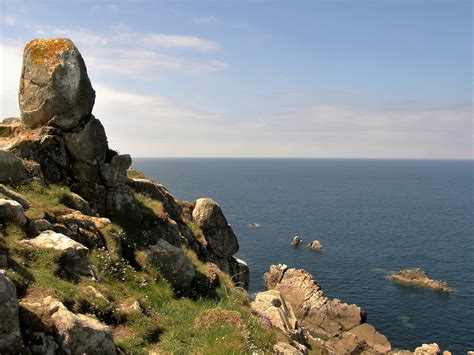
(428, 349)
(418, 277)
(12, 169)
(271, 305)
(296, 241)
(54, 84)
(315, 311)
(12, 211)
(219, 235)
(10, 338)
(89, 144)
(315, 245)
(75, 254)
(173, 263)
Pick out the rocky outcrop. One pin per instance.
(418, 277)
(296, 241)
(315, 245)
(342, 325)
(174, 264)
(74, 253)
(54, 85)
(12, 169)
(282, 348)
(12, 212)
(10, 194)
(10, 338)
(219, 235)
(75, 333)
(321, 315)
(272, 306)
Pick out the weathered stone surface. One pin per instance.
(12, 211)
(85, 229)
(428, 349)
(417, 277)
(12, 169)
(95, 194)
(219, 235)
(39, 225)
(89, 144)
(83, 172)
(75, 254)
(115, 172)
(54, 84)
(10, 338)
(158, 192)
(270, 304)
(321, 315)
(376, 341)
(281, 348)
(236, 268)
(121, 204)
(75, 333)
(49, 151)
(12, 195)
(76, 202)
(173, 263)
(315, 245)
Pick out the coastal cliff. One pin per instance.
(95, 257)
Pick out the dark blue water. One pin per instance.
(372, 216)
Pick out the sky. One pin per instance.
(322, 79)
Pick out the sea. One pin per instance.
(373, 217)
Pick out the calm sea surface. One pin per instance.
(373, 217)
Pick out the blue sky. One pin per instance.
(384, 79)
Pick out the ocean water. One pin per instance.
(373, 217)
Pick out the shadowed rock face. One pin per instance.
(54, 84)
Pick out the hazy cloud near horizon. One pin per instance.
(152, 97)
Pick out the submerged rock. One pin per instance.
(315, 245)
(418, 277)
(54, 85)
(296, 241)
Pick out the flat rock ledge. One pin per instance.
(418, 277)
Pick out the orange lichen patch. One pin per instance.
(46, 51)
(219, 317)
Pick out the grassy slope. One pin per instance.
(221, 324)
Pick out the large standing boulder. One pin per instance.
(74, 253)
(173, 264)
(321, 315)
(219, 235)
(89, 144)
(12, 211)
(10, 338)
(271, 305)
(54, 84)
(12, 169)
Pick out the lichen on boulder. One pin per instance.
(54, 85)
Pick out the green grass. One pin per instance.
(219, 322)
(135, 174)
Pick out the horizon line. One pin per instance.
(301, 158)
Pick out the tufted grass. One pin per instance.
(221, 324)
